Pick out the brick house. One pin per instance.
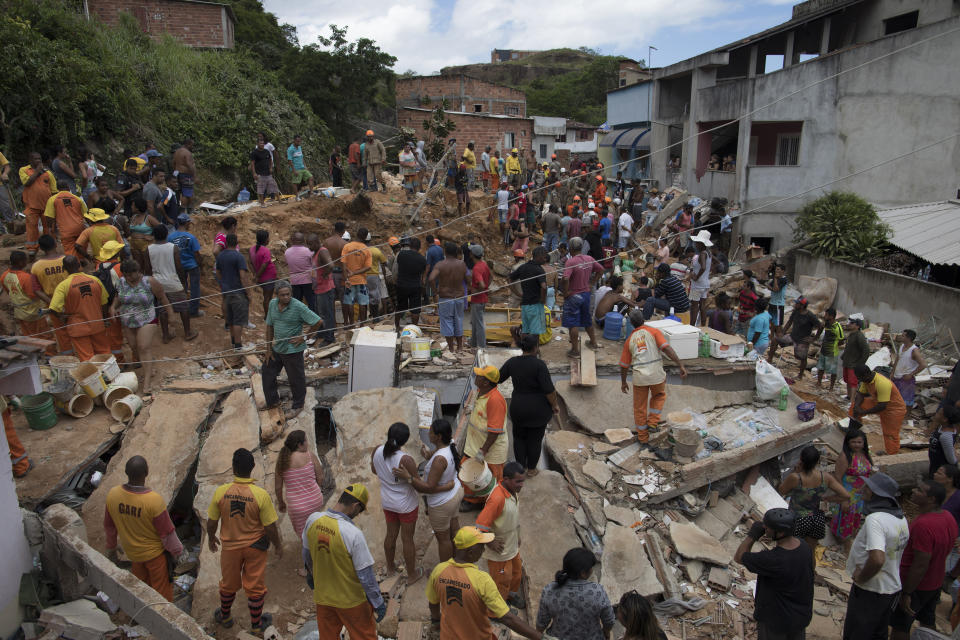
(498, 131)
(463, 93)
(196, 23)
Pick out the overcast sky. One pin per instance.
(426, 35)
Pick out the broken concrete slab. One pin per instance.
(620, 515)
(625, 565)
(619, 435)
(719, 578)
(598, 409)
(170, 418)
(593, 505)
(727, 512)
(237, 426)
(693, 568)
(598, 472)
(604, 449)
(690, 541)
(77, 620)
(571, 449)
(712, 525)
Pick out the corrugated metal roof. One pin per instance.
(930, 231)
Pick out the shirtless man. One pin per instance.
(449, 279)
(610, 299)
(334, 244)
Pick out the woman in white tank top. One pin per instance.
(398, 499)
(908, 364)
(440, 485)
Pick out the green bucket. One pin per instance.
(39, 411)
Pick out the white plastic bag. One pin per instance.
(769, 380)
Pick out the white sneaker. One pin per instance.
(250, 325)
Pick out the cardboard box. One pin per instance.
(753, 252)
(725, 345)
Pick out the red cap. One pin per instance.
(518, 253)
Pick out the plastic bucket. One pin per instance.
(124, 409)
(108, 365)
(79, 406)
(89, 378)
(476, 475)
(612, 325)
(124, 383)
(61, 366)
(39, 411)
(805, 411)
(62, 390)
(686, 442)
(420, 348)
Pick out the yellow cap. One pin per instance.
(469, 536)
(359, 492)
(96, 215)
(514, 150)
(109, 249)
(489, 372)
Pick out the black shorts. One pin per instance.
(924, 604)
(776, 313)
(238, 308)
(408, 299)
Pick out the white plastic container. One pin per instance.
(684, 339)
(723, 351)
(420, 349)
(124, 409)
(108, 366)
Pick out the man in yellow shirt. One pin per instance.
(80, 301)
(49, 272)
(138, 517)
(248, 524)
(513, 168)
(68, 211)
(375, 285)
(340, 569)
(470, 163)
(90, 242)
(463, 599)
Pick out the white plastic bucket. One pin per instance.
(63, 390)
(476, 476)
(79, 406)
(124, 409)
(124, 384)
(61, 366)
(108, 365)
(89, 378)
(420, 348)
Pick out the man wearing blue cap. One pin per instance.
(190, 260)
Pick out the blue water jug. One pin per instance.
(612, 324)
(243, 196)
(627, 328)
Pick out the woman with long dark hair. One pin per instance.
(852, 469)
(398, 499)
(533, 404)
(264, 271)
(300, 471)
(572, 606)
(440, 484)
(636, 615)
(804, 488)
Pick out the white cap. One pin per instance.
(590, 206)
(562, 170)
(346, 235)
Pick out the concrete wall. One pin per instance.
(629, 105)
(462, 93)
(15, 557)
(882, 296)
(195, 24)
(483, 130)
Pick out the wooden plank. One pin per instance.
(727, 463)
(575, 379)
(410, 630)
(664, 572)
(588, 364)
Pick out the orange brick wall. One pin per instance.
(429, 91)
(483, 130)
(197, 25)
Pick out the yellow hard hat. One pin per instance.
(489, 372)
(358, 491)
(469, 536)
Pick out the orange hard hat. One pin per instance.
(393, 241)
(553, 157)
(576, 197)
(370, 132)
(608, 199)
(599, 165)
(518, 253)
(599, 177)
(436, 241)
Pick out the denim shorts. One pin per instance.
(576, 310)
(503, 215)
(356, 293)
(450, 311)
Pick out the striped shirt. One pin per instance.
(672, 289)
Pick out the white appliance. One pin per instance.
(684, 339)
(373, 359)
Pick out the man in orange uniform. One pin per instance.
(29, 300)
(357, 260)
(49, 272)
(108, 266)
(38, 185)
(18, 454)
(68, 211)
(463, 599)
(878, 394)
(91, 240)
(501, 515)
(643, 354)
(138, 517)
(248, 524)
(600, 192)
(486, 430)
(81, 302)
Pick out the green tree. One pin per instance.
(437, 127)
(259, 32)
(841, 225)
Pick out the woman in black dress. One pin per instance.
(336, 169)
(533, 403)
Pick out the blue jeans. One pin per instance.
(655, 303)
(193, 285)
(325, 309)
(551, 240)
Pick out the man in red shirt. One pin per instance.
(480, 278)
(353, 159)
(923, 565)
(579, 275)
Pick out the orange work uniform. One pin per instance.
(49, 272)
(138, 517)
(882, 389)
(501, 515)
(468, 598)
(27, 308)
(18, 454)
(95, 236)
(35, 202)
(641, 353)
(243, 510)
(489, 415)
(81, 298)
(68, 211)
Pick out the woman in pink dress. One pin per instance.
(300, 470)
(853, 467)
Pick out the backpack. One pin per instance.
(104, 273)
